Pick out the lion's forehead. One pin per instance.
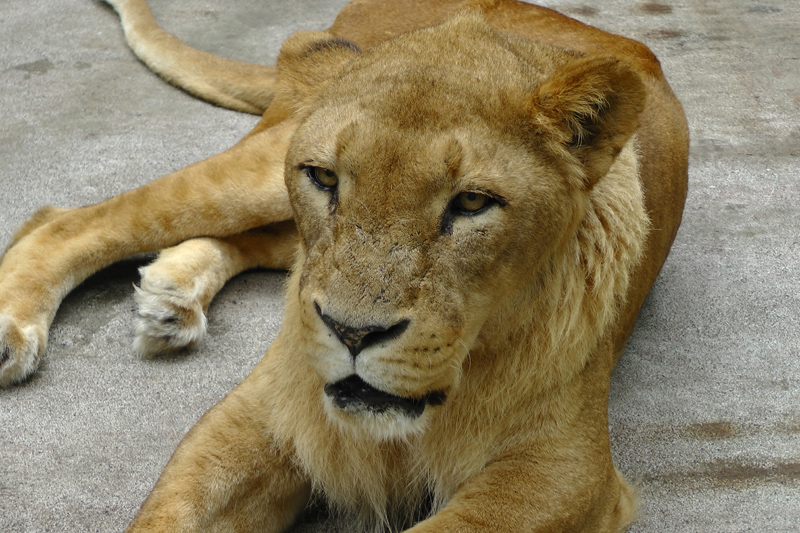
(445, 76)
(431, 98)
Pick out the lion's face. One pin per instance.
(425, 195)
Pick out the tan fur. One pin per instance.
(508, 321)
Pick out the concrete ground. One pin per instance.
(705, 405)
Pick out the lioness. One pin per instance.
(473, 196)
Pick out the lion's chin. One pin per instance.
(355, 402)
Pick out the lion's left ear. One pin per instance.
(309, 58)
(592, 105)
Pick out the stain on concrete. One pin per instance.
(718, 38)
(665, 34)
(709, 431)
(43, 66)
(712, 430)
(735, 207)
(764, 10)
(82, 65)
(732, 474)
(792, 427)
(654, 8)
(583, 11)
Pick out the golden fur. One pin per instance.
(475, 197)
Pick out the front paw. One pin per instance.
(21, 350)
(170, 318)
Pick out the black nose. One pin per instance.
(356, 339)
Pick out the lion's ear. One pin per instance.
(592, 105)
(308, 58)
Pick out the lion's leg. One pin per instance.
(39, 218)
(231, 472)
(232, 192)
(520, 494)
(561, 478)
(178, 287)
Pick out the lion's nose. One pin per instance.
(356, 339)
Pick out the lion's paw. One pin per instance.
(170, 318)
(21, 350)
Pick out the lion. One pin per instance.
(473, 198)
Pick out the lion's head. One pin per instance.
(434, 179)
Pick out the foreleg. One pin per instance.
(515, 494)
(230, 473)
(229, 193)
(560, 478)
(176, 289)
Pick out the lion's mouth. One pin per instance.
(354, 394)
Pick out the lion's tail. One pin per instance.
(225, 82)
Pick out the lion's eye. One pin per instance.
(323, 178)
(471, 203)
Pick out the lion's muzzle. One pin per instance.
(354, 394)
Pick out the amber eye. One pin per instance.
(471, 203)
(323, 178)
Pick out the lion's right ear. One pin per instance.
(591, 107)
(307, 59)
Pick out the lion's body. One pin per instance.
(439, 359)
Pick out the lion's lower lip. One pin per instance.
(355, 393)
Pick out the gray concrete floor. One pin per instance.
(705, 405)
